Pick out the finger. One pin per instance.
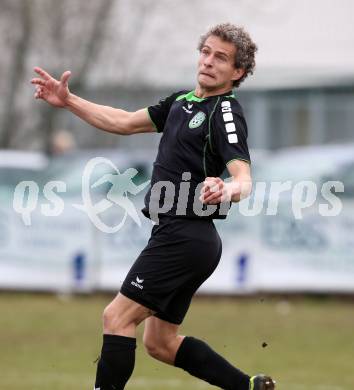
(204, 200)
(207, 186)
(213, 197)
(207, 193)
(204, 193)
(42, 73)
(204, 189)
(215, 187)
(209, 180)
(39, 92)
(203, 196)
(65, 77)
(38, 81)
(213, 201)
(216, 179)
(214, 190)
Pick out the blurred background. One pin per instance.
(284, 280)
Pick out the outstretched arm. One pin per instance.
(113, 120)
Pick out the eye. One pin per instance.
(222, 58)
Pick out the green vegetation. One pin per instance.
(50, 342)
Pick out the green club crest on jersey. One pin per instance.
(197, 120)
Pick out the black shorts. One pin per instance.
(180, 255)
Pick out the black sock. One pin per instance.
(197, 358)
(116, 363)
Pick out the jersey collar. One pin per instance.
(190, 97)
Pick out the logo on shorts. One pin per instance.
(197, 120)
(138, 283)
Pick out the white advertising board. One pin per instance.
(273, 253)
(53, 254)
(263, 253)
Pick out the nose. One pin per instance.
(208, 60)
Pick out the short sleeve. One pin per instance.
(229, 133)
(158, 113)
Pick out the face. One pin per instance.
(216, 65)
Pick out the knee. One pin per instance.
(160, 349)
(123, 315)
(110, 319)
(155, 348)
(115, 321)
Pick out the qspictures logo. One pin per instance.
(165, 195)
(122, 186)
(26, 196)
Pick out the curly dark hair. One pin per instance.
(245, 47)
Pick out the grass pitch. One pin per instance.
(49, 342)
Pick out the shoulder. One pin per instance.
(172, 97)
(180, 95)
(229, 113)
(230, 104)
(165, 103)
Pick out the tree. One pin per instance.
(17, 68)
(60, 35)
(89, 51)
(48, 24)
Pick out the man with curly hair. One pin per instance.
(204, 132)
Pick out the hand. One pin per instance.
(51, 90)
(215, 191)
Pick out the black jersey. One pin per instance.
(200, 137)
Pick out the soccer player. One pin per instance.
(204, 132)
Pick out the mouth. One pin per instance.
(206, 74)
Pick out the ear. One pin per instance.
(238, 73)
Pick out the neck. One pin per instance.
(203, 92)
